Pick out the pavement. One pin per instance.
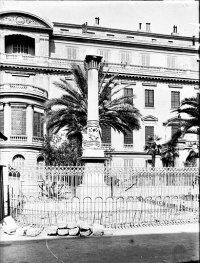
(153, 244)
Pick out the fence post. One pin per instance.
(1, 194)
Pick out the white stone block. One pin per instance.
(33, 232)
(85, 233)
(63, 232)
(97, 229)
(74, 231)
(52, 230)
(9, 225)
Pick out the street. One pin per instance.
(152, 248)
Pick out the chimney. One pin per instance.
(148, 27)
(97, 20)
(174, 31)
(193, 40)
(140, 26)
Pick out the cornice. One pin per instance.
(116, 42)
(35, 68)
(27, 28)
(50, 70)
(157, 78)
(124, 31)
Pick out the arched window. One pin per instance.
(40, 161)
(19, 44)
(18, 160)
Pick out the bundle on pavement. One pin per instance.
(9, 225)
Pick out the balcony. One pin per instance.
(113, 67)
(21, 88)
(22, 141)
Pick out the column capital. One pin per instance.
(93, 61)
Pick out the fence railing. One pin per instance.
(115, 196)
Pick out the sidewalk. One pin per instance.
(146, 230)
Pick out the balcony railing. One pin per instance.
(37, 140)
(22, 88)
(106, 146)
(191, 143)
(128, 147)
(113, 67)
(18, 138)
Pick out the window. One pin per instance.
(149, 98)
(149, 132)
(125, 57)
(128, 138)
(128, 92)
(20, 44)
(2, 121)
(106, 134)
(72, 53)
(171, 61)
(174, 129)
(104, 53)
(40, 161)
(128, 162)
(18, 121)
(20, 48)
(175, 99)
(37, 124)
(18, 160)
(145, 60)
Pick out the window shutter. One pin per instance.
(149, 132)
(106, 134)
(175, 99)
(37, 124)
(18, 121)
(127, 92)
(149, 98)
(122, 57)
(128, 137)
(2, 121)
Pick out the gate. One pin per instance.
(128, 197)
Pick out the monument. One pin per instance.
(93, 183)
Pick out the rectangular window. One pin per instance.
(2, 121)
(18, 121)
(20, 48)
(38, 124)
(128, 162)
(175, 99)
(149, 132)
(125, 58)
(106, 134)
(128, 137)
(149, 98)
(145, 60)
(174, 129)
(104, 53)
(171, 62)
(72, 53)
(128, 92)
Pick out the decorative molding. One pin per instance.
(175, 86)
(21, 74)
(20, 20)
(150, 118)
(149, 84)
(128, 82)
(197, 87)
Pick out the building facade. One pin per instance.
(160, 70)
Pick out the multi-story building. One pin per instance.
(160, 69)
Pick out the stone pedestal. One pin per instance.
(93, 184)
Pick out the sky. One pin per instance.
(117, 14)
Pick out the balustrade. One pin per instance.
(114, 67)
(18, 138)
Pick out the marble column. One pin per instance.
(7, 120)
(29, 123)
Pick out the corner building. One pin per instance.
(160, 69)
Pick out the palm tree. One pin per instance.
(152, 147)
(70, 112)
(190, 116)
(169, 150)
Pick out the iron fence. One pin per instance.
(112, 196)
